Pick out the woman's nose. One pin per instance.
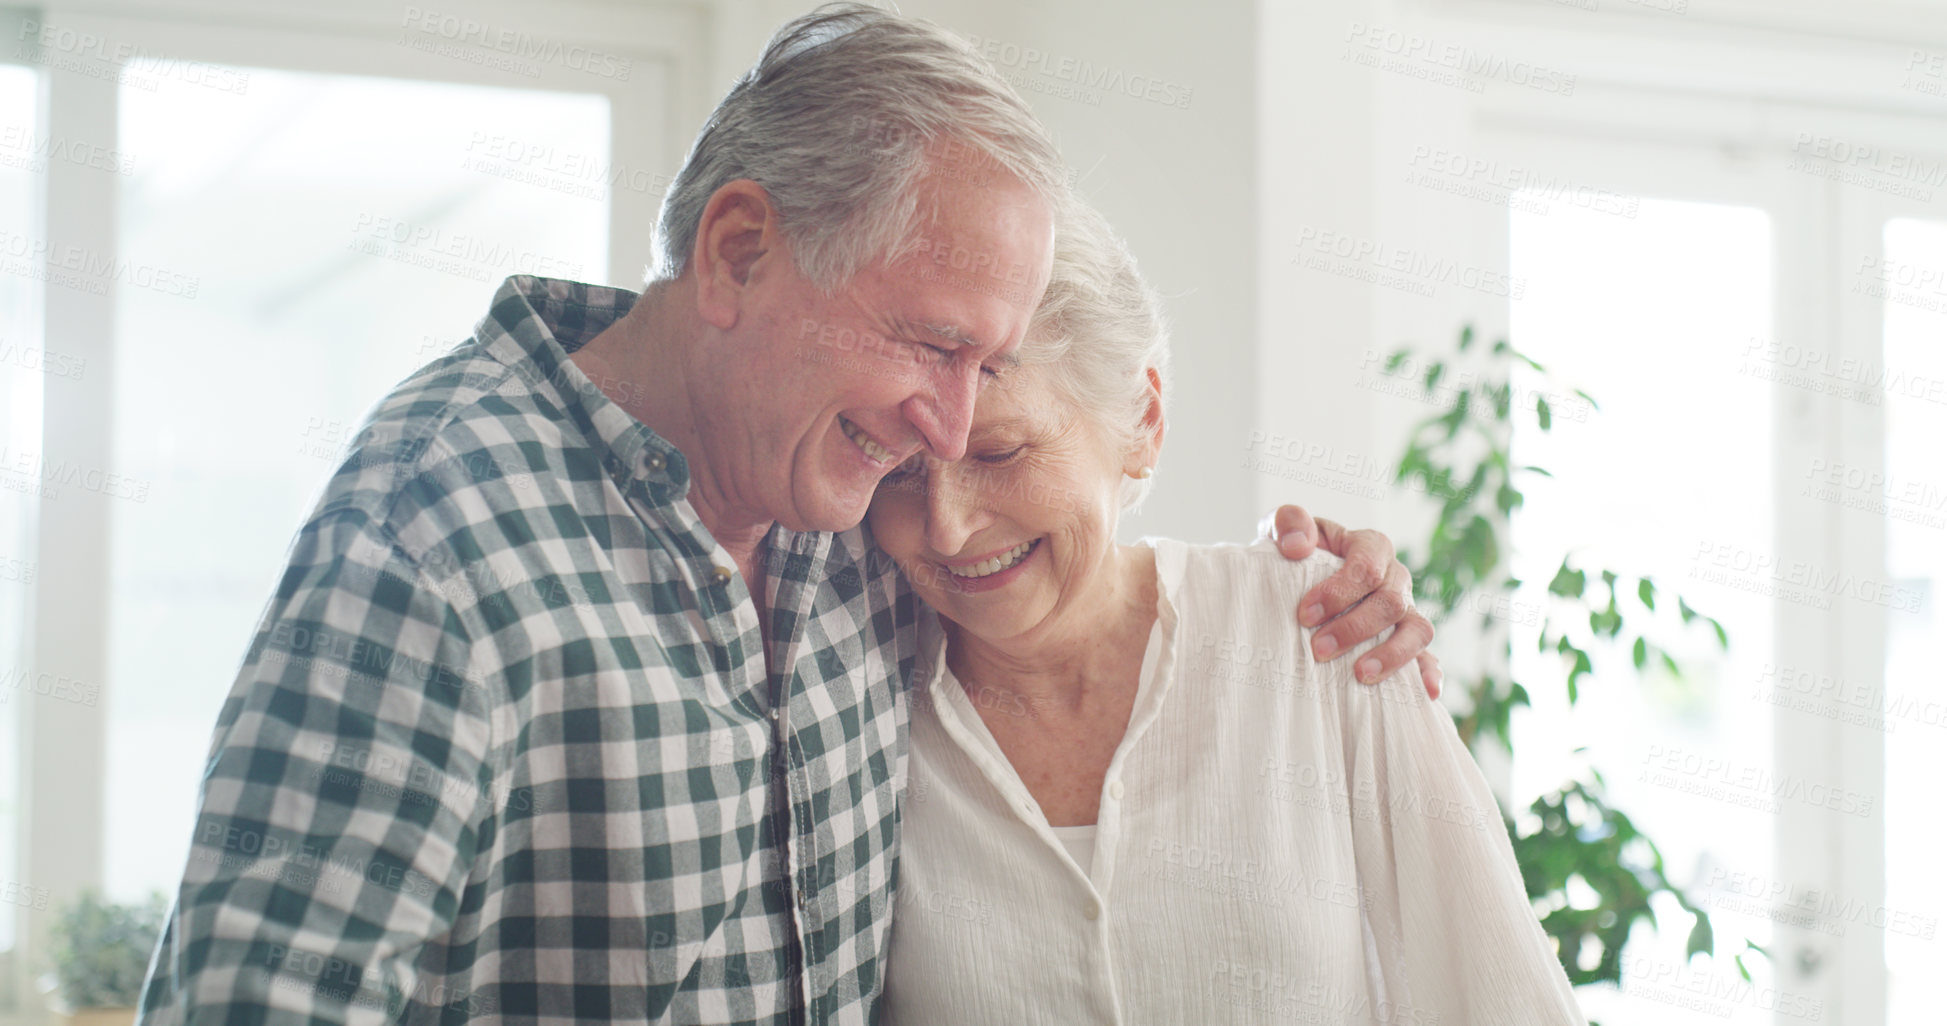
(956, 508)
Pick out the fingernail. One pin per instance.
(1310, 615)
(1368, 670)
(1325, 646)
(1289, 543)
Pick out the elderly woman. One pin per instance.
(1135, 797)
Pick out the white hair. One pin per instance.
(835, 122)
(1098, 332)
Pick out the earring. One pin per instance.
(1146, 473)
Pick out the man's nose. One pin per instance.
(944, 414)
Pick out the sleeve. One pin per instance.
(342, 801)
(1451, 935)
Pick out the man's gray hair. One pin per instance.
(1098, 332)
(835, 122)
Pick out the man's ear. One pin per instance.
(739, 228)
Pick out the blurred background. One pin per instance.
(227, 227)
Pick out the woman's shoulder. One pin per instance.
(1238, 578)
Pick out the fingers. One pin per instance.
(1377, 611)
(1293, 529)
(1408, 640)
(1430, 673)
(1368, 559)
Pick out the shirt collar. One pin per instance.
(533, 326)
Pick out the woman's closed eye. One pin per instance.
(1001, 458)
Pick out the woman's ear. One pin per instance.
(739, 227)
(1154, 427)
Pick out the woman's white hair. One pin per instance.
(1098, 332)
(835, 122)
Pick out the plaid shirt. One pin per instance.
(505, 744)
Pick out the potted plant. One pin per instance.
(1461, 458)
(100, 953)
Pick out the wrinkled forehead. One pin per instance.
(1023, 400)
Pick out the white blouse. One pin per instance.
(1276, 843)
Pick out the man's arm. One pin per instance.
(342, 799)
(1370, 593)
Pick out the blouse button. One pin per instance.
(723, 575)
(1115, 789)
(1091, 911)
(655, 461)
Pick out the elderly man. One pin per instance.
(582, 695)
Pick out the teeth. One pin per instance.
(872, 448)
(994, 565)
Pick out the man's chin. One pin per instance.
(830, 513)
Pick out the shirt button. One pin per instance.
(1115, 789)
(723, 575)
(1091, 911)
(655, 461)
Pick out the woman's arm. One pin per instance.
(1450, 930)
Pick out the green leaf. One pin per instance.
(1434, 373)
(1702, 938)
(1543, 471)
(1399, 356)
(1568, 583)
(1466, 337)
(1640, 654)
(1542, 414)
(1646, 592)
(1723, 639)
(1684, 610)
(1579, 670)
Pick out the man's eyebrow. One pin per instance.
(951, 333)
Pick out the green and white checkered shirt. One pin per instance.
(505, 746)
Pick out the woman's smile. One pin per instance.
(994, 571)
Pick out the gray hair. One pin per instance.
(1097, 333)
(835, 121)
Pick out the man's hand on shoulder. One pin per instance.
(1370, 593)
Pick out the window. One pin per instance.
(25, 367)
(311, 241)
(1647, 313)
(270, 225)
(1912, 704)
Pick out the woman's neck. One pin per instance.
(1092, 643)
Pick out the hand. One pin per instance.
(1370, 593)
